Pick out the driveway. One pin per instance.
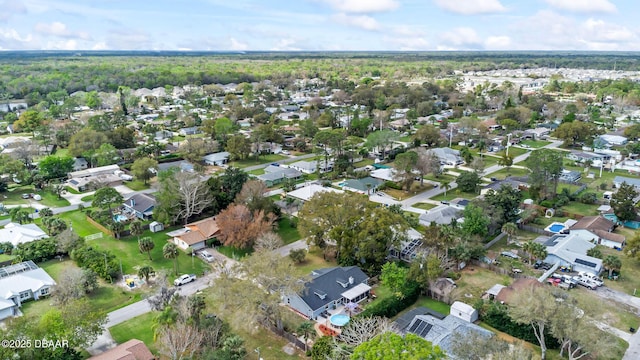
(296, 245)
(631, 302)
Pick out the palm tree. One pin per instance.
(446, 185)
(170, 251)
(46, 212)
(510, 229)
(136, 228)
(57, 226)
(20, 215)
(482, 146)
(528, 247)
(587, 164)
(116, 227)
(146, 244)
(305, 330)
(539, 251)
(146, 271)
(612, 263)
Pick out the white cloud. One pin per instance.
(461, 36)
(237, 45)
(363, 6)
(101, 45)
(497, 43)
(287, 44)
(70, 44)
(598, 30)
(584, 6)
(471, 7)
(360, 21)
(59, 29)
(13, 35)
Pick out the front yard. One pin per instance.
(14, 197)
(251, 160)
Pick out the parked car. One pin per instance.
(591, 277)
(509, 254)
(285, 152)
(26, 196)
(206, 256)
(184, 279)
(585, 282)
(541, 265)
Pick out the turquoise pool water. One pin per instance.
(628, 224)
(119, 218)
(339, 320)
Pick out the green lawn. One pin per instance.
(263, 159)
(424, 206)
(575, 207)
(287, 233)
(454, 193)
(313, 261)
(363, 163)
(5, 257)
(513, 151)
(55, 267)
(87, 198)
(14, 197)
(233, 253)
(140, 327)
(504, 173)
(137, 185)
(79, 222)
(62, 152)
(442, 308)
(535, 143)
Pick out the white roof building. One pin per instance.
(307, 192)
(19, 283)
(19, 234)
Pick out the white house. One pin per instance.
(19, 234)
(19, 283)
(571, 251)
(307, 192)
(216, 159)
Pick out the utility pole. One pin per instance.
(450, 134)
(508, 144)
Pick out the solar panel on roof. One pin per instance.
(585, 263)
(420, 328)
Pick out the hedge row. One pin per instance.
(391, 306)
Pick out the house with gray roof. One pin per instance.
(619, 180)
(441, 215)
(571, 251)
(438, 329)
(447, 156)
(216, 159)
(140, 205)
(328, 289)
(274, 175)
(367, 185)
(19, 283)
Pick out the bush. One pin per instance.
(547, 203)
(496, 315)
(298, 256)
(102, 263)
(6, 247)
(588, 198)
(392, 185)
(391, 306)
(37, 251)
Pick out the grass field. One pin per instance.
(513, 151)
(424, 206)
(288, 233)
(233, 253)
(504, 173)
(263, 159)
(403, 194)
(535, 143)
(454, 193)
(140, 327)
(14, 197)
(138, 185)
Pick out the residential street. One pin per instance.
(633, 352)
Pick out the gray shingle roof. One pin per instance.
(324, 283)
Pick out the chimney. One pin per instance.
(133, 202)
(351, 280)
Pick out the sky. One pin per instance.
(320, 25)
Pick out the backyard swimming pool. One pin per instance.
(119, 218)
(556, 227)
(631, 224)
(339, 320)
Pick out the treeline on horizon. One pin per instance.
(33, 74)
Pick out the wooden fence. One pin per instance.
(495, 240)
(288, 336)
(99, 226)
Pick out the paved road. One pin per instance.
(106, 342)
(283, 161)
(284, 251)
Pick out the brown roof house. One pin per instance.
(131, 350)
(598, 230)
(195, 234)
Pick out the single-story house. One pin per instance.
(94, 182)
(384, 174)
(608, 140)
(102, 170)
(441, 215)
(195, 235)
(307, 192)
(133, 349)
(619, 180)
(581, 156)
(216, 159)
(459, 203)
(310, 167)
(571, 251)
(328, 289)
(162, 135)
(504, 293)
(570, 176)
(439, 331)
(141, 205)
(409, 247)
(447, 156)
(367, 185)
(274, 175)
(496, 185)
(536, 134)
(598, 230)
(188, 131)
(19, 283)
(19, 234)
